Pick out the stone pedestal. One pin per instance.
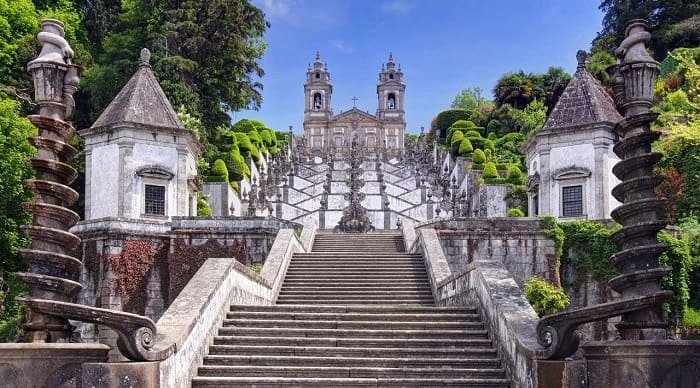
(642, 364)
(561, 374)
(47, 364)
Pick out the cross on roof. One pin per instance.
(354, 102)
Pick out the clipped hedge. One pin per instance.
(489, 171)
(219, 172)
(465, 148)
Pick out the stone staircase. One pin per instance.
(357, 311)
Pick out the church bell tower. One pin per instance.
(318, 91)
(317, 106)
(390, 95)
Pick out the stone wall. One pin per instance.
(520, 244)
(112, 251)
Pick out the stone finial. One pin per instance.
(391, 57)
(318, 56)
(633, 47)
(581, 57)
(145, 57)
(54, 47)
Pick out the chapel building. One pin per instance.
(325, 131)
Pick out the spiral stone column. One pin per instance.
(642, 212)
(53, 269)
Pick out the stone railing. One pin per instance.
(488, 284)
(193, 318)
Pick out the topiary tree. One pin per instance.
(456, 140)
(445, 119)
(266, 137)
(472, 134)
(514, 175)
(247, 148)
(492, 136)
(219, 172)
(243, 126)
(490, 171)
(465, 148)
(478, 157)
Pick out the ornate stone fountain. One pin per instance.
(53, 270)
(354, 218)
(642, 356)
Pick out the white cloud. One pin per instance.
(397, 7)
(274, 8)
(341, 46)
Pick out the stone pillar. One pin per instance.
(546, 185)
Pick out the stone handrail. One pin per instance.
(511, 320)
(486, 283)
(308, 233)
(408, 231)
(277, 262)
(436, 264)
(195, 315)
(198, 311)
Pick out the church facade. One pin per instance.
(326, 131)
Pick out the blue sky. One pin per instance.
(443, 47)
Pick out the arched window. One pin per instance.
(391, 101)
(391, 75)
(318, 75)
(318, 101)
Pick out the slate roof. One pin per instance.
(584, 101)
(141, 101)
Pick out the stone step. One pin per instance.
(245, 382)
(354, 309)
(347, 371)
(360, 302)
(357, 255)
(321, 316)
(389, 362)
(357, 294)
(406, 343)
(322, 351)
(322, 273)
(360, 276)
(353, 333)
(355, 262)
(368, 288)
(339, 324)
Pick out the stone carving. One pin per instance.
(641, 214)
(52, 288)
(354, 219)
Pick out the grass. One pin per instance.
(691, 324)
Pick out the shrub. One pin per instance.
(457, 138)
(472, 134)
(545, 298)
(490, 171)
(495, 127)
(492, 136)
(243, 126)
(219, 172)
(266, 137)
(515, 212)
(678, 258)
(478, 157)
(514, 175)
(203, 208)
(465, 148)
(445, 119)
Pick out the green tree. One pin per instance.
(532, 117)
(14, 169)
(473, 99)
(551, 85)
(515, 89)
(673, 23)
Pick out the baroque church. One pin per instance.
(324, 130)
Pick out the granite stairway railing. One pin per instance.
(357, 310)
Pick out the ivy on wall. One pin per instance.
(132, 267)
(185, 260)
(554, 232)
(587, 246)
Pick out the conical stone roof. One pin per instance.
(583, 102)
(141, 101)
